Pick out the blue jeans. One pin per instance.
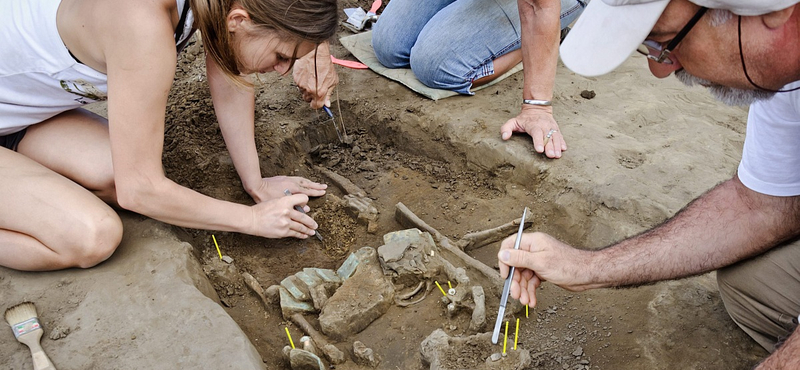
(450, 43)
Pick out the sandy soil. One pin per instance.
(639, 150)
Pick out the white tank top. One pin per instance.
(38, 77)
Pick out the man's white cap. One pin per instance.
(608, 31)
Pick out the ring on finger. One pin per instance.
(550, 133)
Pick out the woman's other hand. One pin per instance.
(273, 187)
(538, 122)
(316, 81)
(278, 218)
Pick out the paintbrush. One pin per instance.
(28, 331)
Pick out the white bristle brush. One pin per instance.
(28, 331)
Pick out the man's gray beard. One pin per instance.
(727, 95)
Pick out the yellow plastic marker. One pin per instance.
(440, 288)
(516, 335)
(217, 245)
(505, 339)
(449, 285)
(526, 311)
(290, 337)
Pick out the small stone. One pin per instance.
(309, 279)
(495, 357)
(329, 276)
(348, 267)
(304, 360)
(578, 351)
(59, 332)
(308, 345)
(227, 259)
(588, 94)
(364, 356)
(273, 294)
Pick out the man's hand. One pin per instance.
(316, 81)
(542, 258)
(537, 122)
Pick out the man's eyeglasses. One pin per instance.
(656, 51)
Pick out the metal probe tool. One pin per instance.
(333, 120)
(300, 209)
(507, 286)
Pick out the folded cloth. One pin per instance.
(360, 45)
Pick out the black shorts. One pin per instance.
(11, 141)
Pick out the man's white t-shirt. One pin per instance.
(771, 156)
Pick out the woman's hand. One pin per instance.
(277, 218)
(538, 122)
(316, 80)
(273, 187)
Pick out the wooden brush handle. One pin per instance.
(40, 359)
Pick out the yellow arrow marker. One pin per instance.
(217, 245)
(290, 337)
(505, 339)
(440, 288)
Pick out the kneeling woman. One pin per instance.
(61, 165)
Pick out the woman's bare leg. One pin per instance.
(49, 220)
(76, 145)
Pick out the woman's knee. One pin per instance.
(97, 242)
(439, 69)
(389, 49)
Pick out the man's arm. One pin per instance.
(727, 224)
(787, 356)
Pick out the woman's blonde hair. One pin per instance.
(314, 21)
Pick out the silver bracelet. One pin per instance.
(543, 103)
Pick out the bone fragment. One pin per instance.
(333, 354)
(412, 293)
(480, 238)
(405, 303)
(253, 284)
(407, 218)
(341, 182)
